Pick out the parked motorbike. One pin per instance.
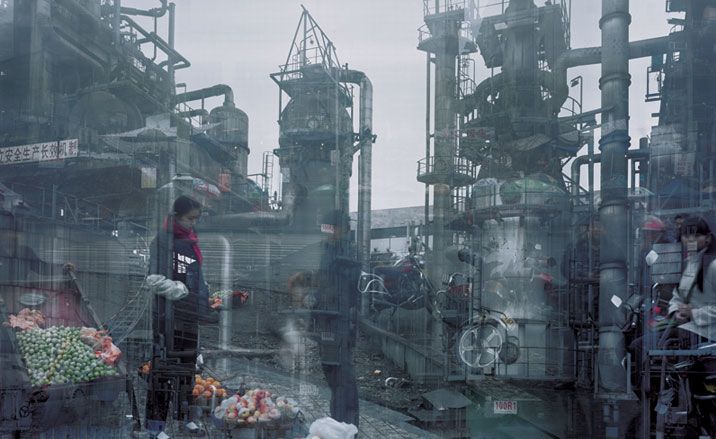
(679, 389)
(403, 284)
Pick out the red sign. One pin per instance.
(505, 407)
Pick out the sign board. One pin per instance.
(149, 178)
(504, 407)
(39, 152)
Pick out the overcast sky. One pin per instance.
(240, 42)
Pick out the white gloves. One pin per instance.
(171, 289)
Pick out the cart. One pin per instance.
(25, 407)
(278, 429)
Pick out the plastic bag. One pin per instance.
(26, 319)
(171, 289)
(329, 428)
(109, 352)
(102, 344)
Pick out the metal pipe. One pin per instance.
(225, 314)
(557, 79)
(366, 161)
(576, 173)
(116, 20)
(179, 61)
(428, 70)
(170, 54)
(256, 219)
(193, 113)
(613, 217)
(593, 55)
(444, 144)
(214, 90)
(365, 130)
(154, 12)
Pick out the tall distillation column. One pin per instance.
(441, 37)
(613, 208)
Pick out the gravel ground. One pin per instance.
(260, 324)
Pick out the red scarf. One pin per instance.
(181, 232)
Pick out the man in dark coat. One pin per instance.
(336, 308)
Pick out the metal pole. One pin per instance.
(116, 21)
(366, 177)
(614, 143)
(54, 201)
(170, 64)
(427, 141)
(225, 315)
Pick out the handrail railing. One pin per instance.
(432, 7)
(447, 165)
(58, 206)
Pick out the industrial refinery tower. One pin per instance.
(443, 38)
(317, 141)
(534, 319)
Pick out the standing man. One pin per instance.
(336, 315)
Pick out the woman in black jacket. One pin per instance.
(177, 256)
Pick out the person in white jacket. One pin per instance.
(693, 303)
(692, 308)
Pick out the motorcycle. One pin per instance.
(401, 285)
(678, 390)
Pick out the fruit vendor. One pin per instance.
(176, 255)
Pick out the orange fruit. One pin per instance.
(207, 394)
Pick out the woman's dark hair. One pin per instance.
(184, 205)
(699, 226)
(695, 225)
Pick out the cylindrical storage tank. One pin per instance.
(232, 131)
(521, 273)
(314, 118)
(538, 190)
(535, 190)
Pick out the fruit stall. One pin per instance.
(57, 366)
(257, 413)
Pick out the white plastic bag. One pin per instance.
(171, 289)
(329, 428)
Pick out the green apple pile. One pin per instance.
(57, 355)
